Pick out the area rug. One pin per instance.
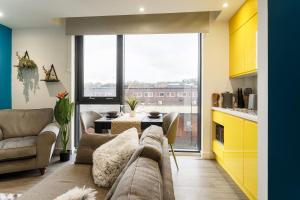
(7, 196)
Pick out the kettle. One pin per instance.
(227, 100)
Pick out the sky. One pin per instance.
(148, 58)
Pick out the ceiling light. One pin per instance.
(225, 5)
(141, 9)
(1, 14)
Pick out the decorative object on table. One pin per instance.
(227, 100)
(154, 115)
(240, 98)
(78, 193)
(132, 102)
(9, 196)
(63, 113)
(215, 99)
(27, 73)
(50, 75)
(112, 114)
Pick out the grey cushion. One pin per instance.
(134, 184)
(15, 148)
(154, 132)
(21, 123)
(147, 151)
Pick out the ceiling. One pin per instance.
(44, 13)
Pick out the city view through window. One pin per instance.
(161, 71)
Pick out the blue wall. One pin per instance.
(284, 99)
(5, 67)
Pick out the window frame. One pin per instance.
(120, 90)
(79, 67)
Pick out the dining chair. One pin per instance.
(87, 119)
(170, 127)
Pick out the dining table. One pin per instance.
(141, 121)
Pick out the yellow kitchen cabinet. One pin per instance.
(251, 45)
(250, 158)
(243, 40)
(247, 10)
(238, 155)
(233, 147)
(237, 52)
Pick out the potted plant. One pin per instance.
(63, 112)
(132, 102)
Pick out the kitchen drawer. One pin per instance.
(218, 117)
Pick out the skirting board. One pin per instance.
(209, 155)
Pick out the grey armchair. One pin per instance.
(27, 139)
(87, 120)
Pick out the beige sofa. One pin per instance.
(27, 139)
(137, 177)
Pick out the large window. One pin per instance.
(161, 70)
(165, 69)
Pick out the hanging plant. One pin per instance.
(24, 63)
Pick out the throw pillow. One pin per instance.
(78, 194)
(110, 158)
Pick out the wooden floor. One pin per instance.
(196, 179)
(199, 179)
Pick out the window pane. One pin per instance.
(100, 68)
(162, 71)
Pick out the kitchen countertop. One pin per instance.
(242, 113)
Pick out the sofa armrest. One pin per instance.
(1, 134)
(45, 144)
(88, 144)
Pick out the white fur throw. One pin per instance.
(78, 194)
(110, 158)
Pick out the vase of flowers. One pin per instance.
(63, 113)
(132, 102)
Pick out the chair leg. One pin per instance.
(174, 156)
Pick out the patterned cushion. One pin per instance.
(110, 158)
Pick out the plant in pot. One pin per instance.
(132, 102)
(63, 113)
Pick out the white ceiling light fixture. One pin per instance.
(142, 9)
(1, 14)
(225, 5)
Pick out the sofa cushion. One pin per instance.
(21, 123)
(110, 158)
(16, 148)
(142, 180)
(154, 132)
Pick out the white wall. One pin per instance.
(46, 46)
(215, 76)
(262, 100)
